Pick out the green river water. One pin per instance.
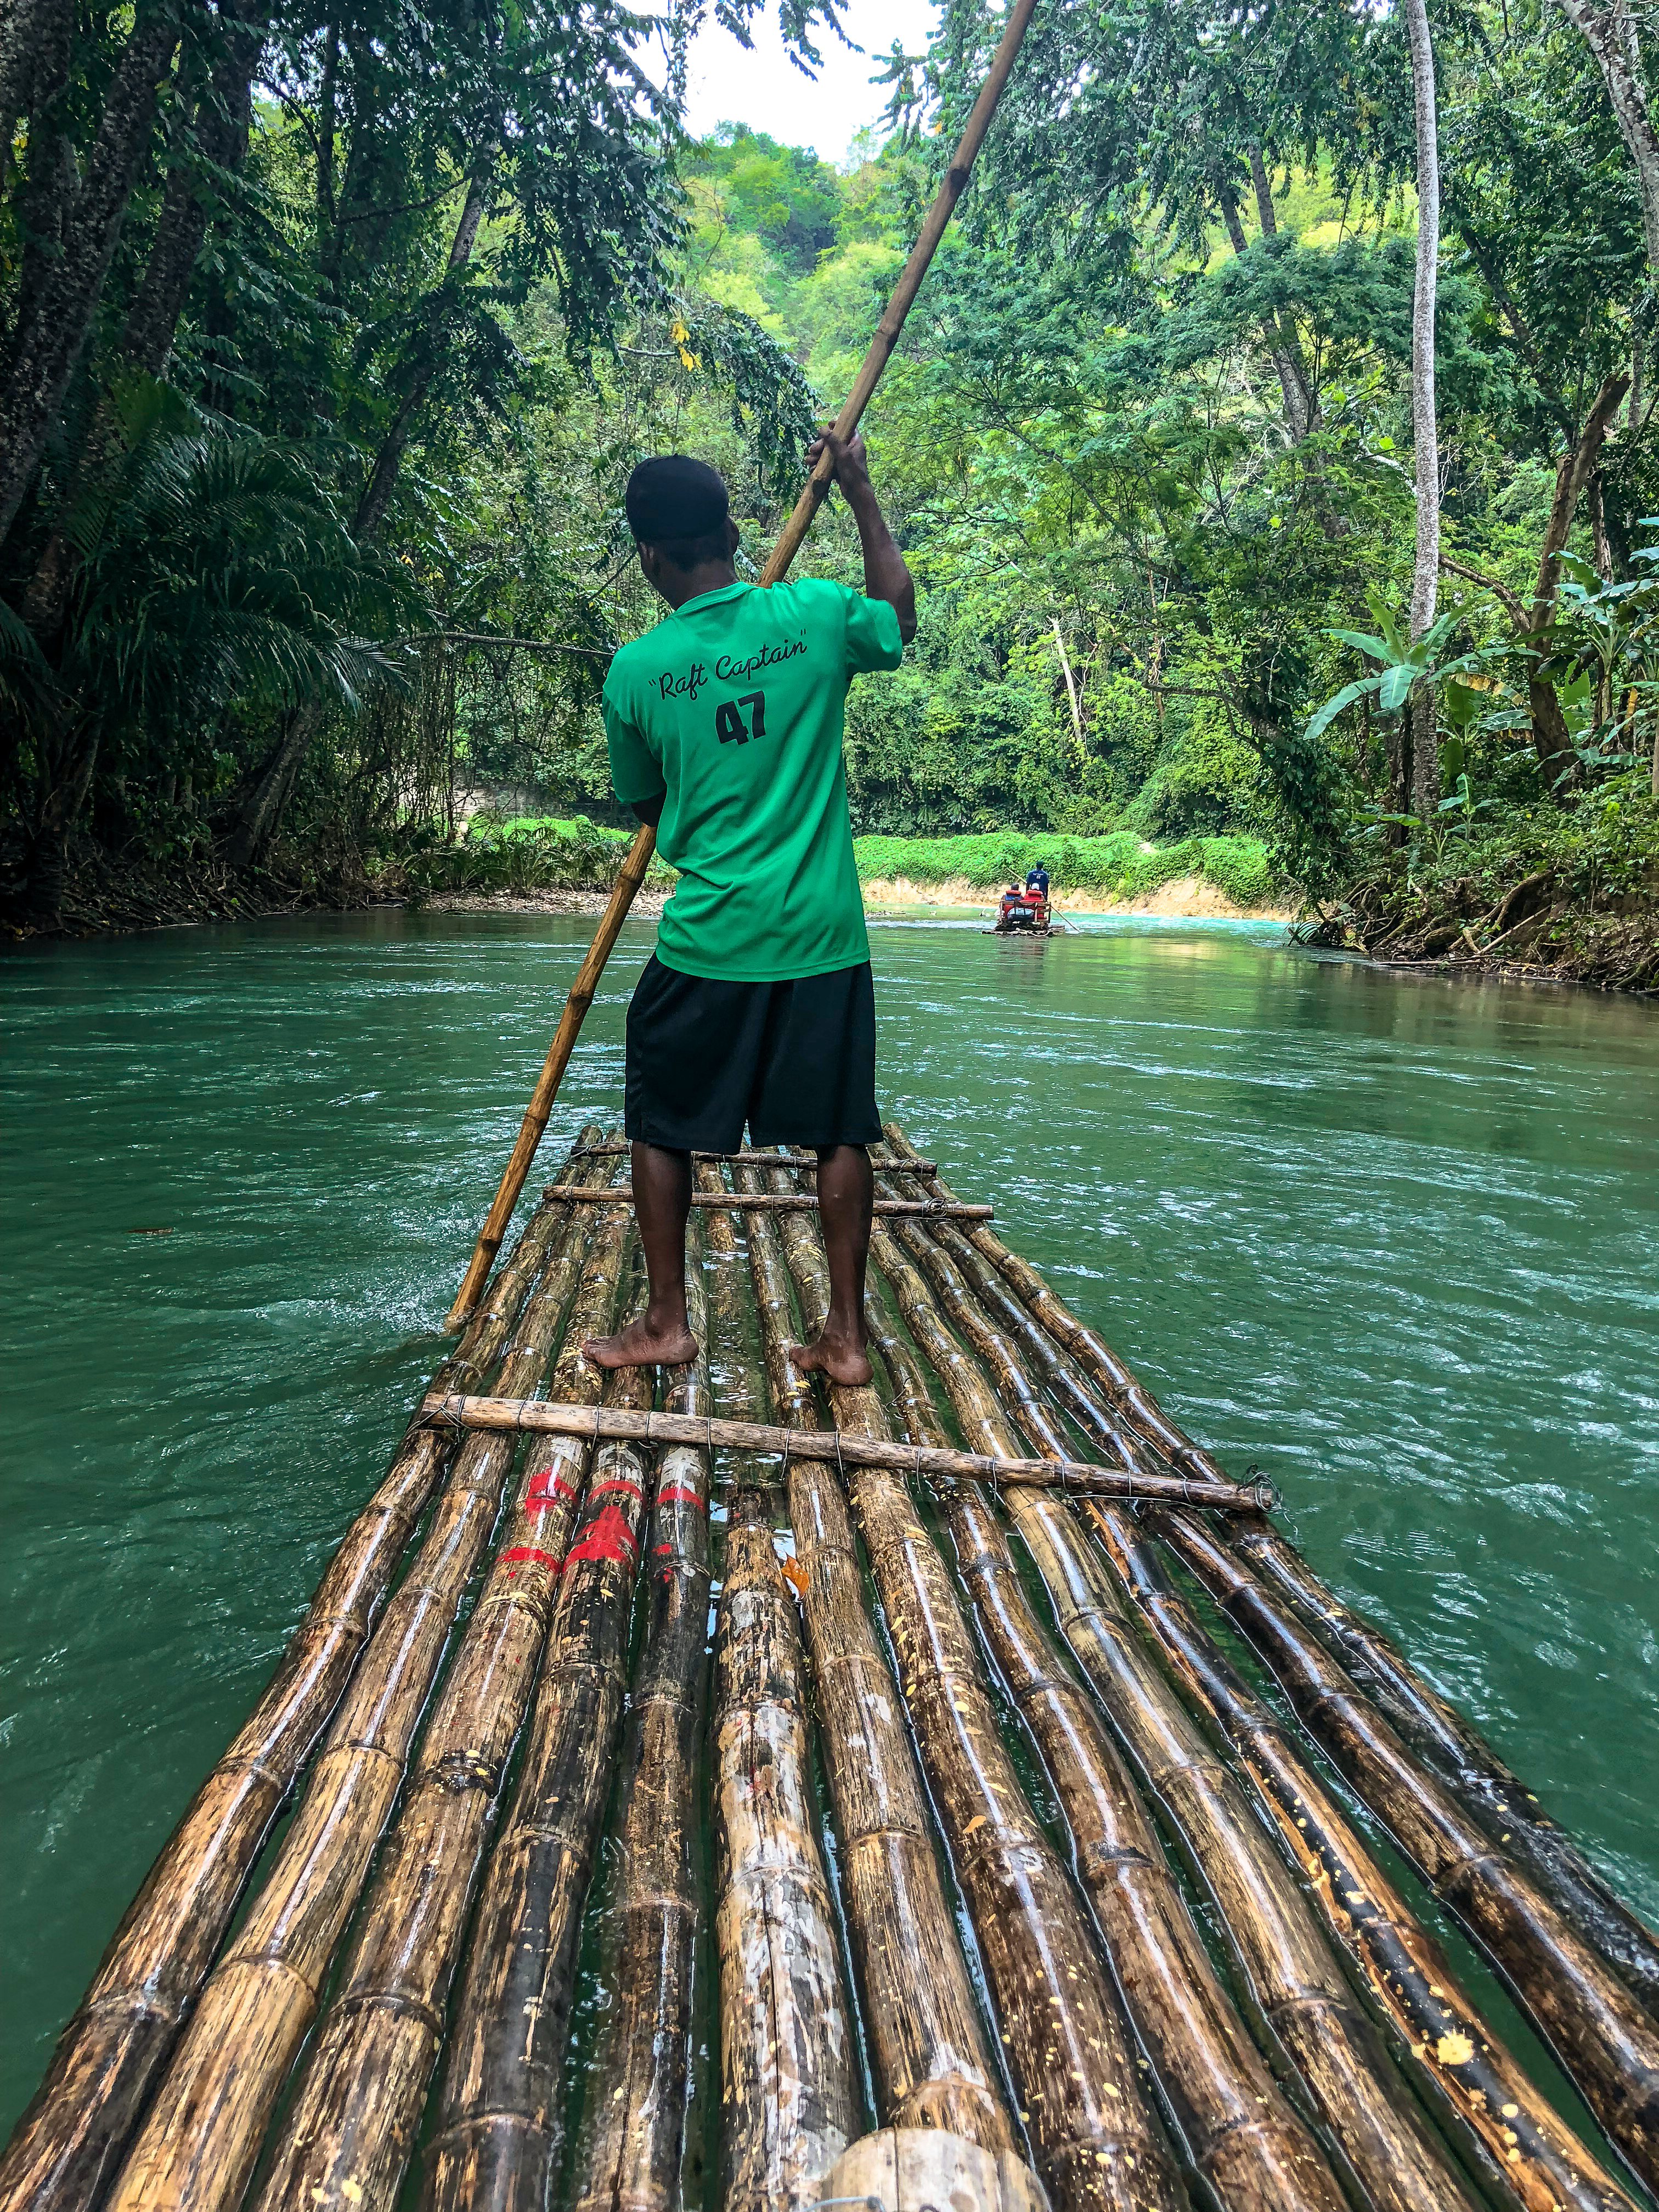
(1394, 1240)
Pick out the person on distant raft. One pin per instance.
(725, 731)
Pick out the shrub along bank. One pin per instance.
(546, 853)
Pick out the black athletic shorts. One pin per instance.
(795, 1060)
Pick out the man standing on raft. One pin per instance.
(725, 731)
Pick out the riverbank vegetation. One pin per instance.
(330, 346)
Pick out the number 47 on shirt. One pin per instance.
(729, 726)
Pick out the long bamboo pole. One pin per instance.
(1080, 1478)
(787, 2103)
(633, 2144)
(1454, 1752)
(349, 2134)
(196, 2146)
(632, 872)
(1304, 1992)
(928, 2051)
(1530, 2152)
(1239, 2132)
(500, 2109)
(1602, 2036)
(64, 2150)
(1095, 2142)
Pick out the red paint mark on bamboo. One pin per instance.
(547, 1488)
(618, 1482)
(549, 1559)
(678, 1494)
(608, 1538)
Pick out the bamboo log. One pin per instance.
(791, 1202)
(931, 2168)
(787, 2104)
(1454, 1752)
(631, 875)
(1602, 2036)
(1466, 1766)
(1528, 2149)
(1536, 2156)
(633, 2144)
(615, 1147)
(198, 2142)
(1094, 2140)
(1079, 1478)
(64, 2150)
(350, 2132)
(1140, 1410)
(1364, 2102)
(932, 2065)
(500, 2109)
(1240, 2134)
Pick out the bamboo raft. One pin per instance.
(1024, 1826)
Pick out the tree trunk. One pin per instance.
(1550, 738)
(50, 345)
(34, 57)
(1301, 401)
(66, 753)
(222, 121)
(1425, 575)
(1611, 36)
(261, 811)
(377, 496)
(1299, 405)
(1070, 689)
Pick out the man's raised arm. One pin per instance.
(885, 577)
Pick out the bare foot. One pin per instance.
(838, 1357)
(642, 1345)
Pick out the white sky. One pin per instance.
(764, 89)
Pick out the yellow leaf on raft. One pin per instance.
(1454, 2050)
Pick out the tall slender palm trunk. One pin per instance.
(1425, 575)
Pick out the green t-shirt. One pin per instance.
(732, 706)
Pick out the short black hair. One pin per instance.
(677, 501)
(687, 553)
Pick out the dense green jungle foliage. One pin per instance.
(331, 344)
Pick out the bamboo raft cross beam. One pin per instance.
(779, 1201)
(844, 1447)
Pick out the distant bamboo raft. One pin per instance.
(993, 1956)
